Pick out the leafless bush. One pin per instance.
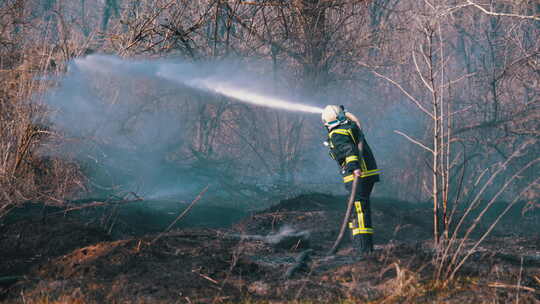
(471, 70)
(26, 172)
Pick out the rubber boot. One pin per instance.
(363, 244)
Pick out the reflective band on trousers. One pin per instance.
(363, 165)
(360, 213)
(360, 227)
(350, 178)
(357, 231)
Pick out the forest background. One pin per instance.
(448, 94)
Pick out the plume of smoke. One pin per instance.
(127, 118)
(131, 123)
(285, 236)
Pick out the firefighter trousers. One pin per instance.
(360, 220)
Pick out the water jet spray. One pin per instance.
(244, 95)
(197, 76)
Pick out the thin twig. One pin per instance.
(495, 222)
(519, 280)
(476, 199)
(195, 201)
(414, 140)
(206, 277)
(414, 100)
(96, 204)
(451, 82)
(419, 72)
(502, 285)
(534, 17)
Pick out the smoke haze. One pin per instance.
(132, 122)
(144, 126)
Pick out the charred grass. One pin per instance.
(70, 259)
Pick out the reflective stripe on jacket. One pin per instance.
(343, 143)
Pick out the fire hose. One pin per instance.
(352, 197)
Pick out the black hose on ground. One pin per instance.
(346, 218)
(299, 263)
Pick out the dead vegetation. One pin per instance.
(249, 262)
(473, 70)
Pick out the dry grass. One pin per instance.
(28, 171)
(32, 46)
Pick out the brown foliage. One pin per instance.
(26, 173)
(483, 64)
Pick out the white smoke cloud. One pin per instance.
(129, 116)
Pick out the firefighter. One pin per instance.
(349, 148)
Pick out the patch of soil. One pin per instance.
(187, 264)
(321, 215)
(260, 258)
(30, 242)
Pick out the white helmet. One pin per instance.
(332, 116)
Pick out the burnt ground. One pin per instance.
(118, 254)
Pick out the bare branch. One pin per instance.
(470, 2)
(452, 82)
(416, 102)
(502, 167)
(414, 141)
(420, 73)
(179, 217)
(496, 221)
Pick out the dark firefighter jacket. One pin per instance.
(343, 143)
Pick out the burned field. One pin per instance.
(114, 114)
(277, 255)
